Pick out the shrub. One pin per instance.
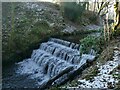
(91, 42)
(72, 10)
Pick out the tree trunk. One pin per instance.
(117, 17)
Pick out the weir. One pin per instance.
(58, 60)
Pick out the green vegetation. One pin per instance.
(22, 32)
(80, 13)
(76, 9)
(21, 44)
(25, 28)
(91, 42)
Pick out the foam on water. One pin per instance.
(55, 59)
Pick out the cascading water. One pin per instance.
(54, 62)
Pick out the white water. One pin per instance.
(51, 59)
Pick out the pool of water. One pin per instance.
(10, 79)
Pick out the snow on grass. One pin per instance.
(103, 78)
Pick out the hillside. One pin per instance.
(54, 46)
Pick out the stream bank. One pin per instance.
(107, 63)
(10, 78)
(13, 80)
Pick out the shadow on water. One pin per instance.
(12, 80)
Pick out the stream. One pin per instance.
(14, 76)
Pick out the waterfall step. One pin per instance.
(65, 43)
(58, 60)
(63, 52)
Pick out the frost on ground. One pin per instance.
(104, 78)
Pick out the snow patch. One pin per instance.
(103, 79)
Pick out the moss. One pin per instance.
(26, 34)
(21, 44)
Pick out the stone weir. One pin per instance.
(59, 61)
